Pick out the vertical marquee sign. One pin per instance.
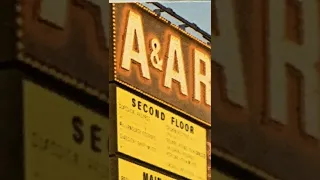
(266, 95)
(161, 61)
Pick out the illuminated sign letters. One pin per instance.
(135, 26)
(134, 30)
(162, 61)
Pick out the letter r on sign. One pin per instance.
(202, 78)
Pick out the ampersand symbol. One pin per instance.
(154, 56)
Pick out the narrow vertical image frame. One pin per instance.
(190, 35)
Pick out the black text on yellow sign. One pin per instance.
(63, 140)
(159, 137)
(130, 171)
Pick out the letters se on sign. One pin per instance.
(94, 137)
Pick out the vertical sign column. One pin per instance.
(157, 63)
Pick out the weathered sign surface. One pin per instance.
(161, 60)
(266, 84)
(68, 35)
(62, 139)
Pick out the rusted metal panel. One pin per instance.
(273, 127)
(69, 36)
(136, 31)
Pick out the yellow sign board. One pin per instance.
(152, 134)
(130, 171)
(220, 176)
(63, 140)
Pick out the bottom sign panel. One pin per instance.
(152, 134)
(130, 171)
(63, 140)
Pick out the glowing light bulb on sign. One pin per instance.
(172, 66)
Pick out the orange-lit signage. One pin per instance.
(162, 61)
(174, 55)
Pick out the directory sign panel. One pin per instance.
(156, 136)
